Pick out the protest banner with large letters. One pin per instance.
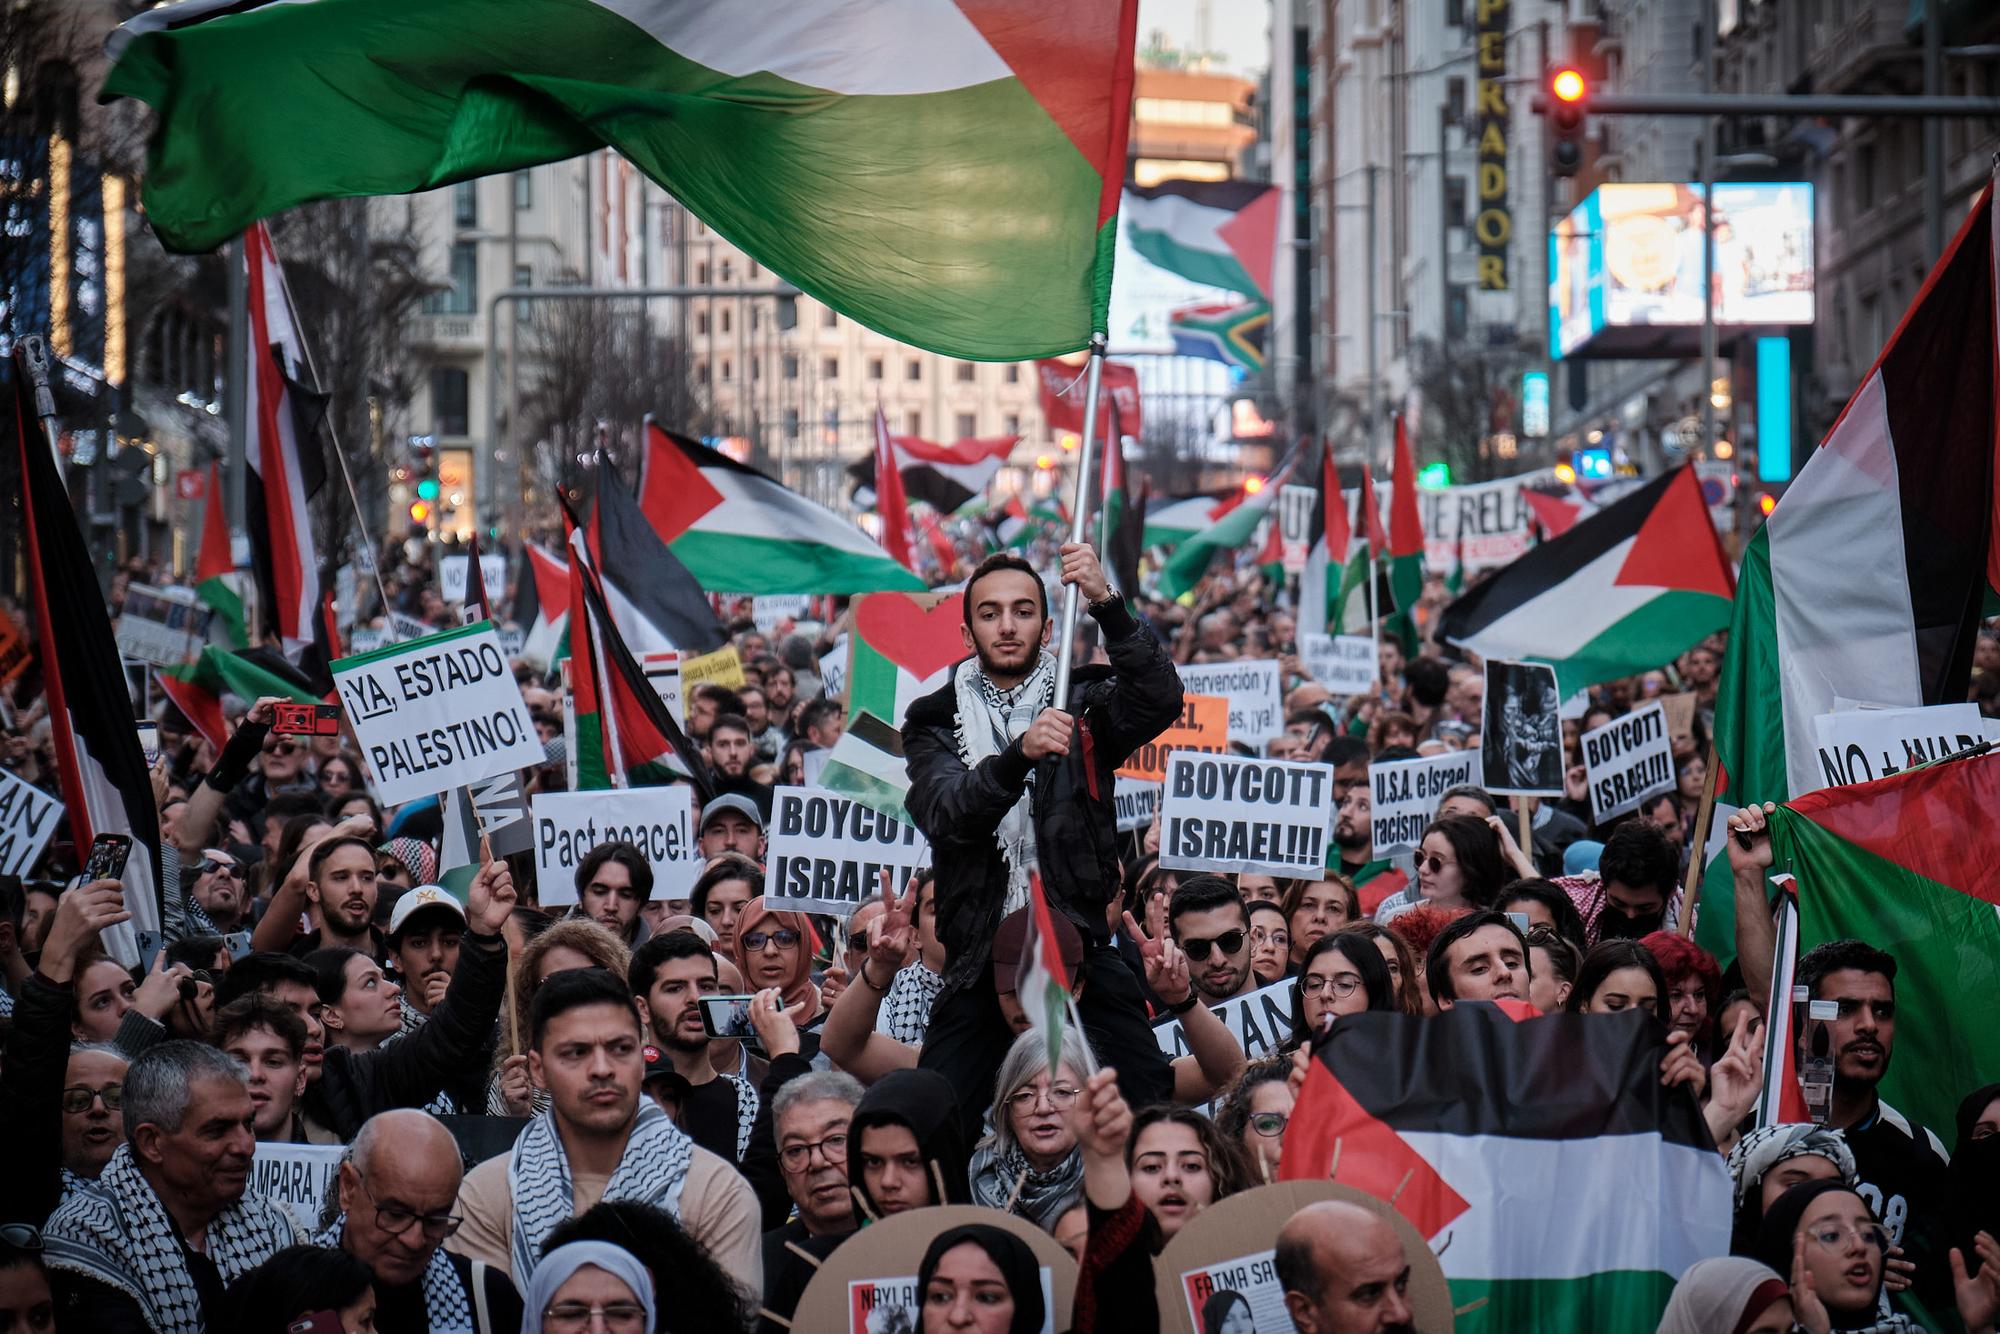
(1344, 664)
(1491, 519)
(1403, 796)
(1862, 745)
(1229, 813)
(1253, 689)
(1136, 802)
(657, 820)
(1261, 1021)
(827, 852)
(724, 667)
(438, 713)
(298, 1178)
(28, 817)
(1627, 760)
(453, 572)
(1203, 728)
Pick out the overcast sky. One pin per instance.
(1239, 29)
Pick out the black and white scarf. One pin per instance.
(116, 1232)
(989, 720)
(652, 1170)
(906, 1009)
(1043, 1197)
(747, 1107)
(447, 1309)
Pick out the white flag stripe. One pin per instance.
(1559, 623)
(753, 508)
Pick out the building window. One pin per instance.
(913, 423)
(791, 365)
(462, 297)
(1454, 13)
(1864, 178)
(701, 274)
(1011, 423)
(791, 423)
(701, 323)
(524, 189)
(874, 368)
(725, 319)
(913, 369)
(728, 370)
(752, 271)
(701, 371)
(829, 368)
(465, 204)
(728, 271)
(450, 399)
(1013, 373)
(829, 318)
(756, 318)
(1454, 201)
(1454, 100)
(964, 373)
(968, 425)
(524, 276)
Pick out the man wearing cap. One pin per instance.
(1007, 780)
(732, 823)
(424, 930)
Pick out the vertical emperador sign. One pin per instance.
(1493, 225)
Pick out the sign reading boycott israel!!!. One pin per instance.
(828, 851)
(656, 820)
(1627, 760)
(435, 714)
(1203, 728)
(1403, 796)
(1230, 813)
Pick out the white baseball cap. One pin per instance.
(420, 898)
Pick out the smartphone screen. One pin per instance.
(727, 1016)
(107, 857)
(149, 741)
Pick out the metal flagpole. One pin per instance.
(1079, 513)
(35, 363)
(1374, 620)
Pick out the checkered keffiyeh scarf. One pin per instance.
(652, 1170)
(906, 1009)
(447, 1309)
(748, 1103)
(989, 720)
(116, 1232)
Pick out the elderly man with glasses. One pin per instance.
(398, 1192)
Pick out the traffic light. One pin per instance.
(1569, 93)
(428, 488)
(420, 511)
(1434, 476)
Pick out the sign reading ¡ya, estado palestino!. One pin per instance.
(436, 713)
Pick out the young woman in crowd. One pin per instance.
(720, 893)
(1180, 1165)
(1253, 1112)
(1343, 973)
(1401, 963)
(1270, 941)
(1618, 975)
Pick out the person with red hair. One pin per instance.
(1694, 985)
(1418, 927)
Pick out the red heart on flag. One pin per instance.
(921, 641)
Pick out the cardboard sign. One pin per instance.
(501, 809)
(894, 1306)
(1491, 519)
(438, 713)
(1344, 664)
(1254, 692)
(860, 1288)
(1202, 728)
(1229, 813)
(1253, 1278)
(1403, 796)
(1261, 1021)
(1867, 744)
(1136, 802)
(161, 625)
(659, 821)
(827, 852)
(1521, 740)
(1680, 716)
(298, 1178)
(769, 611)
(722, 667)
(452, 572)
(833, 671)
(28, 818)
(1628, 760)
(1295, 511)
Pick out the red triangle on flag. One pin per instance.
(672, 492)
(1372, 1156)
(1556, 516)
(1676, 547)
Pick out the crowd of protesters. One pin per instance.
(317, 985)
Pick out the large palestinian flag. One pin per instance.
(1561, 1187)
(945, 477)
(1218, 233)
(736, 529)
(656, 602)
(901, 647)
(1332, 535)
(1624, 591)
(1172, 522)
(946, 173)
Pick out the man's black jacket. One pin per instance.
(1076, 827)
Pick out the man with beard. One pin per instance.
(1634, 892)
(732, 750)
(339, 886)
(397, 1191)
(1354, 836)
(1005, 780)
(1343, 1271)
(219, 895)
(1209, 922)
(669, 976)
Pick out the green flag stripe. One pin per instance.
(1617, 1302)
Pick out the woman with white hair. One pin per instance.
(1029, 1162)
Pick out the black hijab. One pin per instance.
(1975, 1178)
(922, 1102)
(1016, 1263)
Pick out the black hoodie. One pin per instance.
(921, 1101)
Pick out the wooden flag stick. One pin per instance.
(1705, 816)
(1524, 812)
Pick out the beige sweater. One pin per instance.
(718, 1208)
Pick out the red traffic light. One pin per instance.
(1766, 502)
(1569, 85)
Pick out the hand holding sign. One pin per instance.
(1048, 735)
(1750, 842)
(490, 898)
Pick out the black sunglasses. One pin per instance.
(22, 1237)
(1197, 948)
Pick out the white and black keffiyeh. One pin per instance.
(199, 923)
(652, 1170)
(115, 1231)
(447, 1309)
(747, 1106)
(989, 720)
(906, 1008)
(999, 1175)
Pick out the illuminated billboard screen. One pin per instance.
(1625, 266)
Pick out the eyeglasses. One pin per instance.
(1270, 936)
(618, 1317)
(1269, 1124)
(77, 1098)
(1197, 948)
(395, 1219)
(213, 867)
(1433, 864)
(784, 938)
(1835, 1235)
(833, 1148)
(1061, 1097)
(22, 1237)
(282, 748)
(1342, 987)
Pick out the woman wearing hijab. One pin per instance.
(774, 949)
(1975, 1172)
(573, 1283)
(1729, 1295)
(906, 1112)
(1029, 1162)
(1827, 1239)
(1771, 1160)
(981, 1279)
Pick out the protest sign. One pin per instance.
(827, 852)
(894, 1306)
(1295, 512)
(833, 670)
(662, 670)
(1202, 728)
(1261, 1021)
(402, 627)
(1492, 521)
(1231, 814)
(869, 1286)
(1521, 740)
(453, 571)
(1867, 744)
(1254, 1278)
(1403, 796)
(1136, 802)
(438, 713)
(367, 638)
(512, 640)
(771, 610)
(1627, 760)
(501, 808)
(722, 667)
(657, 820)
(1256, 706)
(161, 625)
(1680, 717)
(1344, 664)
(28, 817)
(298, 1178)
